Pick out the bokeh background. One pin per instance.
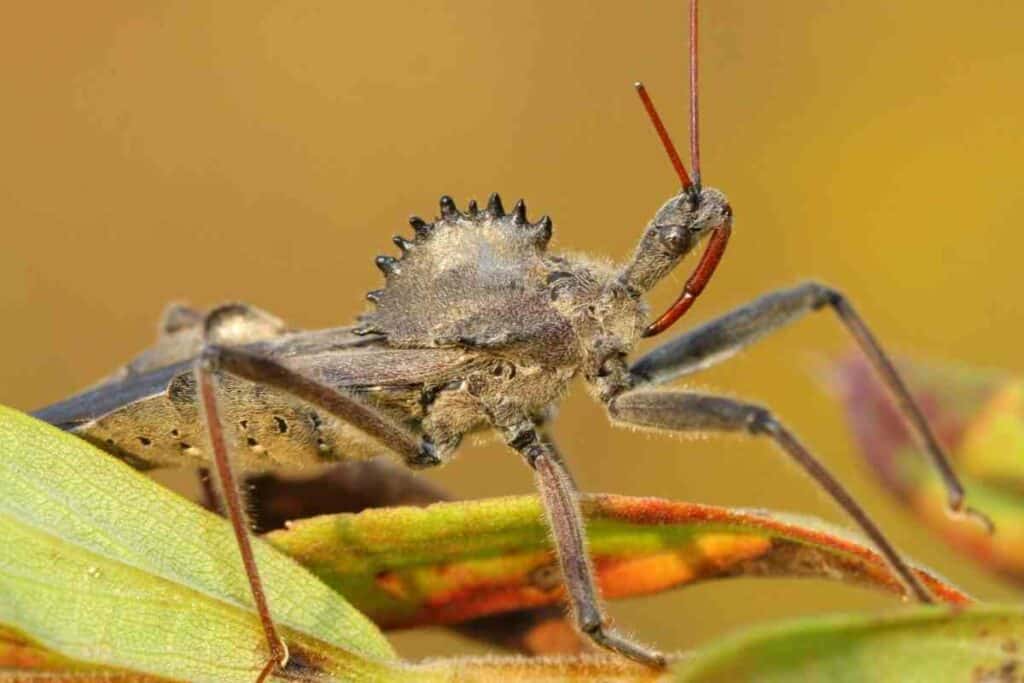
(266, 152)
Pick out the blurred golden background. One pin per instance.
(266, 152)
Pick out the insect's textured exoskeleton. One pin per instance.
(481, 280)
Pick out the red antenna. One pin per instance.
(666, 141)
(720, 235)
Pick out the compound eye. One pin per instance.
(675, 237)
(727, 211)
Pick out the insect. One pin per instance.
(478, 327)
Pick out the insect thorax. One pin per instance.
(481, 280)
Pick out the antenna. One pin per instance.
(666, 141)
(720, 235)
(694, 116)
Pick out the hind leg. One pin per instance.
(216, 361)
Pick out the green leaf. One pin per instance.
(104, 567)
(921, 644)
(979, 417)
(450, 562)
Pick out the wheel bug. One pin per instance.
(477, 327)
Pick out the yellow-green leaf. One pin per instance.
(104, 567)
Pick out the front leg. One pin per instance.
(561, 505)
(722, 337)
(689, 412)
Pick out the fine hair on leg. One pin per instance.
(717, 340)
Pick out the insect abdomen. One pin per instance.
(271, 429)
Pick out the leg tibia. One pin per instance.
(561, 505)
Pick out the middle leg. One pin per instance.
(561, 505)
(690, 412)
